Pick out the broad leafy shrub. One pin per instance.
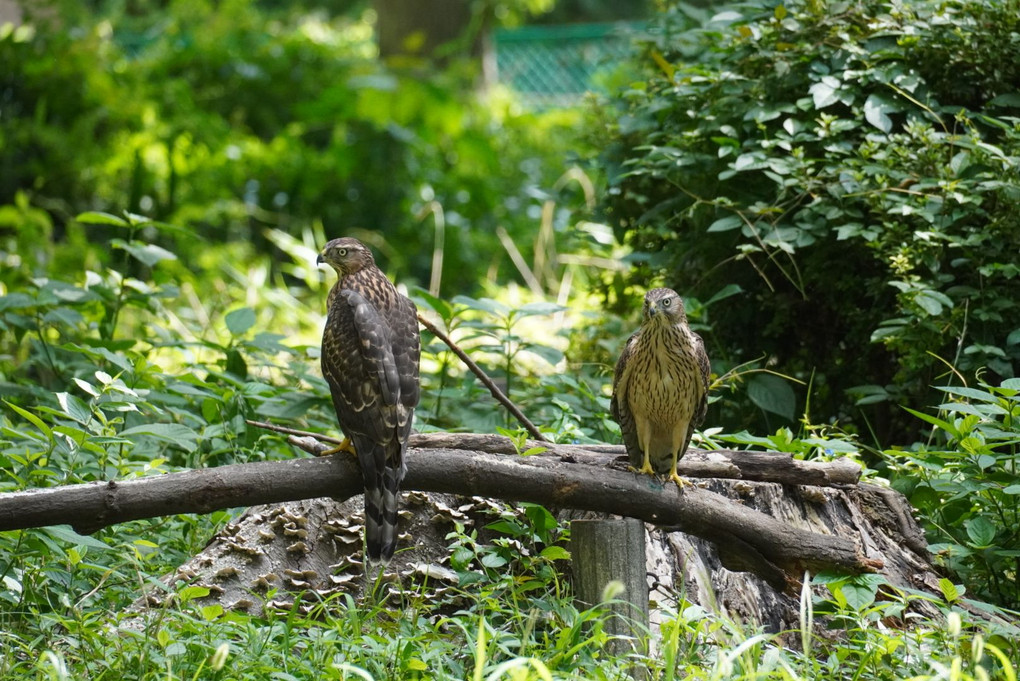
(853, 167)
(965, 481)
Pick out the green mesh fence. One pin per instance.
(553, 66)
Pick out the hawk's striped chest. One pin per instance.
(664, 383)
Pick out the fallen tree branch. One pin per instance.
(484, 378)
(697, 463)
(540, 479)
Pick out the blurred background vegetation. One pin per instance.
(832, 186)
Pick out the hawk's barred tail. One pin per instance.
(381, 503)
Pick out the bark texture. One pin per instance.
(740, 540)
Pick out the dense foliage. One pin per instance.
(853, 168)
(233, 121)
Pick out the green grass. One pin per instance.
(490, 636)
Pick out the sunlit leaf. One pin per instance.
(239, 321)
(555, 553)
(147, 254)
(824, 92)
(74, 407)
(96, 218)
(33, 419)
(877, 110)
(550, 355)
(539, 308)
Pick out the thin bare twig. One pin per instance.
(484, 378)
(294, 431)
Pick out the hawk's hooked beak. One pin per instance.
(653, 309)
(319, 260)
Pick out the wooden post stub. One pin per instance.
(609, 550)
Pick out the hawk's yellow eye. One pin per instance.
(342, 252)
(667, 302)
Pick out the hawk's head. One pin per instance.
(346, 256)
(665, 305)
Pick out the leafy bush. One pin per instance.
(965, 482)
(853, 168)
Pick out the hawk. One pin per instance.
(370, 353)
(660, 386)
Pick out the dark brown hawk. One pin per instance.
(660, 386)
(370, 352)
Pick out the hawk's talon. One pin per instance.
(646, 469)
(346, 446)
(681, 482)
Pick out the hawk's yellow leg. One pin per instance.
(679, 437)
(644, 432)
(345, 446)
(680, 481)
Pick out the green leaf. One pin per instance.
(74, 407)
(929, 303)
(484, 305)
(416, 665)
(724, 293)
(726, 224)
(65, 533)
(972, 393)
(16, 301)
(189, 593)
(539, 308)
(437, 305)
(147, 254)
(555, 553)
(937, 422)
(950, 591)
(239, 321)
(96, 218)
(510, 527)
(876, 111)
(541, 519)
(1012, 489)
(981, 532)
(173, 433)
(824, 92)
(492, 560)
(211, 612)
(773, 394)
(859, 596)
(63, 315)
(551, 355)
(33, 419)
